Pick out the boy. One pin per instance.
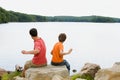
(58, 53)
(39, 52)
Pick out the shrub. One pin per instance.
(10, 76)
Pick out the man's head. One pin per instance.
(62, 37)
(33, 32)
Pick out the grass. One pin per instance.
(10, 76)
(73, 77)
(87, 77)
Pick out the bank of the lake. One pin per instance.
(12, 16)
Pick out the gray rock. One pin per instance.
(57, 77)
(47, 73)
(112, 73)
(90, 69)
(2, 71)
(19, 78)
(80, 79)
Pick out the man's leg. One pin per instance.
(26, 66)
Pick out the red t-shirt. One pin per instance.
(39, 58)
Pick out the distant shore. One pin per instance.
(11, 16)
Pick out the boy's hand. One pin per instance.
(70, 51)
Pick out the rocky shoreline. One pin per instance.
(94, 70)
(91, 69)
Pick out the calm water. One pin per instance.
(91, 42)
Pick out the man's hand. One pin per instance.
(24, 52)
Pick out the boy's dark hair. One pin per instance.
(33, 32)
(62, 37)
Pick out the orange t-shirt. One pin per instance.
(56, 56)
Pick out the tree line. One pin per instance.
(92, 18)
(11, 16)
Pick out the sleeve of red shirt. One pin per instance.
(37, 46)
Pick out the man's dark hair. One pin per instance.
(62, 37)
(33, 32)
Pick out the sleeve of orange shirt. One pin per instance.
(61, 48)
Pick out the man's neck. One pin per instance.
(35, 38)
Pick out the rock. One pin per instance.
(57, 77)
(47, 73)
(90, 69)
(112, 73)
(19, 78)
(74, 70)
(2, 71)
(80, 79)
(18, 68)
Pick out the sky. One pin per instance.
(109, 8)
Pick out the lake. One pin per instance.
(97, 43)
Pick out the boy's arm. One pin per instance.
(51, 52)
(65, 53)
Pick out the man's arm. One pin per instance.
(36, 51)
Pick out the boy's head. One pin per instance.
(33, 32)
(62, 37)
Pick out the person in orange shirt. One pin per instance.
(58, 52)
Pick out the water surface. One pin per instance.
(91, 42)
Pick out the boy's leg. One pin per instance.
(62, 63)
(67, 64)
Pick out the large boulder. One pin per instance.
(112, 73)
(46, 73)
(90, 69)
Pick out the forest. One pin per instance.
(12, 16)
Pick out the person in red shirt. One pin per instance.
(39, 52)
(58, 52)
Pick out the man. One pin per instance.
(39, 52)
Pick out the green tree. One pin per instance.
(4, 17)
